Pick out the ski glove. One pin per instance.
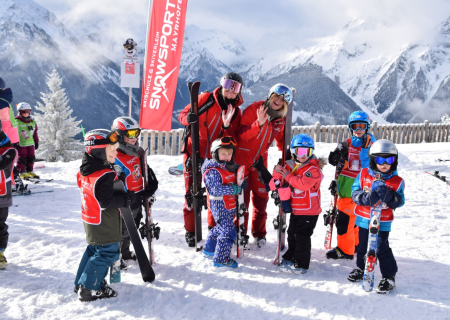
(130, 198)
(368, 199)
(385, 194)
(191, 118)
(36, 145)
(148, 193)
(236, 189)
(263, 173)
(244, 185)
(333, 188)
(366, 141)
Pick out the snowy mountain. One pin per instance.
(34, 42)
(398, 82)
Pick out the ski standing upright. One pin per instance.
(197, 191)
(331, 214)
(280, 222)
(240, 209)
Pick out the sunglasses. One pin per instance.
(229, 84)
(133, 133)
(301, 152)
(382, 160)
(358, 126)
(228, 141)
(285, 92)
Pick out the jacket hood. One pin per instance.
(89, 165)
(8, 96)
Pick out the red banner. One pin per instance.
(162, 65)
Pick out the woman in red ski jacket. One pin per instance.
(261, 123)
(219, 116)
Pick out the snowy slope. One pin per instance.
(47, 240)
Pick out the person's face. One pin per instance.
(383, 167)
(130, 141)
(225, 154)
(277, 101)
(111, 152)
(229, 94)
(302, 159)
(358, 133)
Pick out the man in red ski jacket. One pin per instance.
(261, 123)
(219, 115)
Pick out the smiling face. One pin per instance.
(358, 133)
(111, 152)
(277, 102)
(229, 94)
(130, 141)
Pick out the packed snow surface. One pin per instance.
(47, 241)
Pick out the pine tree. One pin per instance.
(445, 119)
(56, 126)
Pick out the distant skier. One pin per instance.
(7, 157)
(100, 214)
(366, 192)
(261, 123)
(352, 154)
(28, 141)
(220, 180)
(9, 123)
(303, 177)
(219, 116)
(128, 159)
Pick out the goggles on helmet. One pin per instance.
(229, 84)
(227, 141)
(361, 126)
(301, 151)
(285, 92)
(112, 138)
(132, 133)
(382, 160)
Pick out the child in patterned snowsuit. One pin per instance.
(219, 174)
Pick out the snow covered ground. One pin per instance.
(47, 240)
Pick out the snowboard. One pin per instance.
(286, 155)
(176, 170)
(148, 275)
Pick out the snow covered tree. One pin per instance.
(445, 119)
(56, 126)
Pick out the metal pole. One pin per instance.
(129, 103)
(146, 40)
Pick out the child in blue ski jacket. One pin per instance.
(366, 191)
(219, 174)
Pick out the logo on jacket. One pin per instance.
(133, 160)
(24, 134)
(84, 207)
(136, 172)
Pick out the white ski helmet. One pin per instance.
(383, 147)
(224, 142)
(23, 106)
(123, 124)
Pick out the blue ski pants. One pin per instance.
(388, 265)
(95, 263)
(220, 239)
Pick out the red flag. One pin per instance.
(162, 64)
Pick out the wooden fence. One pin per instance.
(169, 142)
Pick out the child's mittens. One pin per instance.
(244, 185)
(284, 193)
(385, 194)
(236, 189)
(274, 184)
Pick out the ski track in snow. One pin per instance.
(47, 241)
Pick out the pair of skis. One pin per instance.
(440, 177)
(280, 222)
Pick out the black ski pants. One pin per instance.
(300, 230)
(3, 228)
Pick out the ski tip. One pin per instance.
(199, 249)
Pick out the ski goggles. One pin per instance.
(229, 84)
(132, 133)
(25, 111)
(112, 138)
(382, 160)
(361, 126)
(224, 141)
(302, 152)
(285, 92)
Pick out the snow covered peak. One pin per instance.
(445, 26)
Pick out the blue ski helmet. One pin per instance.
(302, 140)
(359, 116)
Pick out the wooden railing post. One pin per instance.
(317, 132)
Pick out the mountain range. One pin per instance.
(350, 70)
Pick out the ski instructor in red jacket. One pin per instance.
(261, 123)
(219, 115)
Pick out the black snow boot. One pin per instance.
(337, 253)
(356, 275)
(386, 285)
(86, 295)
(190, 238)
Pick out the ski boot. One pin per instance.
(19, 187)
(24, 175)
(123, 265)
(386, 285)
(356, 275)
(298, 270)
(260, 241)
(32, 175)
(190, 238)
(86, 295)
(337, 253)
(207, 254)
(3, 261)
(129, 255)
(229, 263)
(286, 265)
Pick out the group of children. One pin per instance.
(18, 141)
(360, 161)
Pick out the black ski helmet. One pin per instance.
(2, 84)
(233, 76)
